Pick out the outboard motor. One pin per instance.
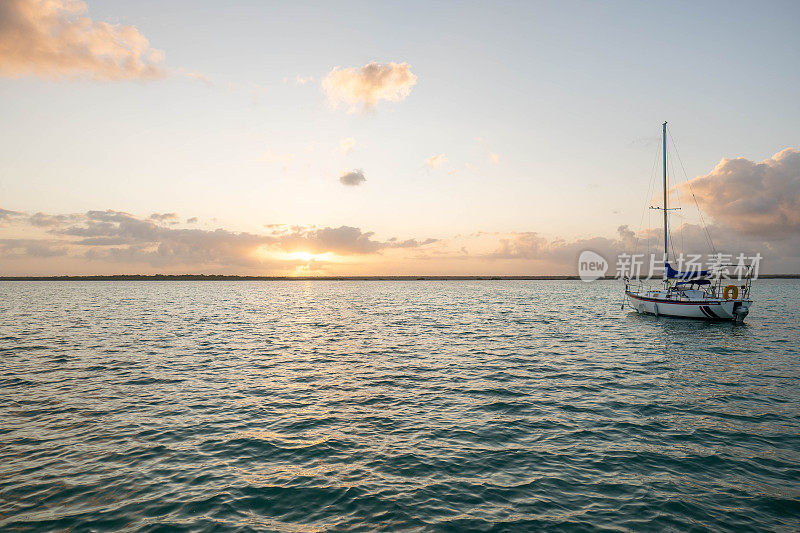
(739, 312)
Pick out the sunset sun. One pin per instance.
(308, 256)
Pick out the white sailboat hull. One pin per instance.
(707, 309)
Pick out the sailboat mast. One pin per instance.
(664, 139)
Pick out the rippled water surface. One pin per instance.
(361, 406)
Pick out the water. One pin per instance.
(362, 406)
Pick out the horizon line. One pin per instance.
(235, 277)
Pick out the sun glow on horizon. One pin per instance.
(308, 256)
(295, 256)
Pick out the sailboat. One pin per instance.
(694, 294)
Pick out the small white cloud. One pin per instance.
(193, 74)
(347, 145)
(435, 161)
(352, 178)
(494, 158)
(300, 80)
(362, 88)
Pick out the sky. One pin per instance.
(360, 138)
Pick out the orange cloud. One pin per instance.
(435, 161)
(752, 198)
(51, 39)
(364, 87)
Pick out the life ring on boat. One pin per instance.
(731, 289)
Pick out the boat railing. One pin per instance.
(639, 286)
(717, 289)
(742, 284)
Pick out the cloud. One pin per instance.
(559, 256)
(347, 145)
(52, 39)
(171, 218)
(494, 158)
(525, 245)
(757, 199)
(195, 75)
(353, 178)
(362, 88)
(646, 142)
(31, 248)
(299, 80)
(117, 237)
(6, 214)
(192, 220)
(44, 220)
(627, 236)
(115, 241)
(533, 246)
(344, 240)
(435, 161)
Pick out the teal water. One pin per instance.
(395, 406)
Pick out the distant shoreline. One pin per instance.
(221, 277)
